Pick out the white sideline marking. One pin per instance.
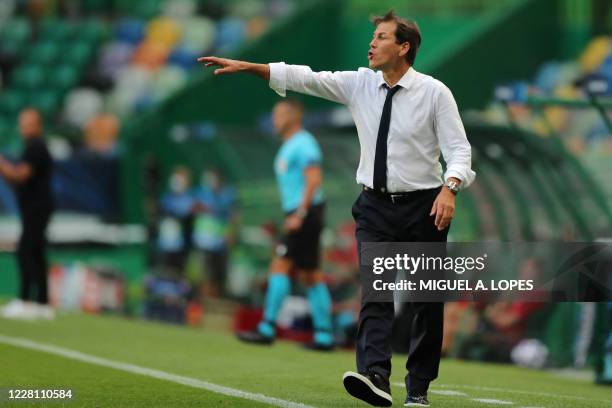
(148, 372)
(449, 392)
(492, 401)
(511, 391)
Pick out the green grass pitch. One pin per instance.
(283, 371)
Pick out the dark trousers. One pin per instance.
(380, 220)
(31, 256)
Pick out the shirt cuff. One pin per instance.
(466, 175)
(278, 78)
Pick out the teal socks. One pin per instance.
(279, 287)
(321, 308)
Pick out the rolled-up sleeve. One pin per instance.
(454, 144)
(335, 86)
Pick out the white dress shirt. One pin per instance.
(424, 121)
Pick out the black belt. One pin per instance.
(399, 197)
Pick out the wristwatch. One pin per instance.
(453, 186)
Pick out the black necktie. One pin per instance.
(380, 160)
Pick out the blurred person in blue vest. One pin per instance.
(176, 222)
(298, 172)
(214, 227)
(31, 179)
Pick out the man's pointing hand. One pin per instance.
(229, 66)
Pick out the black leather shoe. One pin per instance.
(255, 337)
(369, 387)
(416, 401)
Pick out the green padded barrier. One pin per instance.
(600, 104)
(474, 226)
(515, 181)
(526, 159)
(129, 259)
(575, 168)
(497, 203)
(533, 179)
(559, 182)
(509, 206)
(553, 162)
(521, 159)
(536, 158)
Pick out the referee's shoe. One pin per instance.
(255, 337)
(369, 387)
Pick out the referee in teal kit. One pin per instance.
(298, 171)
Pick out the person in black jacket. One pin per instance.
(31, 178)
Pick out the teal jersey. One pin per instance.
(292, 159)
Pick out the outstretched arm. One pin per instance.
(229, 66)
(334, 86)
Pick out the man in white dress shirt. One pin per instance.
(404, 120)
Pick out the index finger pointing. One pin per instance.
(207, 59)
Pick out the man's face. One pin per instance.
(384, 51)
(283, 115)
(30, 124)
(179, 181)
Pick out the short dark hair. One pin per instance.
(406, 31)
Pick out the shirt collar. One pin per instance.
(405, 81)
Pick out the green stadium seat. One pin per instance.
(30, 76)
(144, 8)
(16, 30)
(44, 52)
(57, 30)
(7, 129)
(12, 47)
(5, 123)
(92, 31)
(11, 101)
(47, 102)
(13, 36)
(63, 77)
(77, 53)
